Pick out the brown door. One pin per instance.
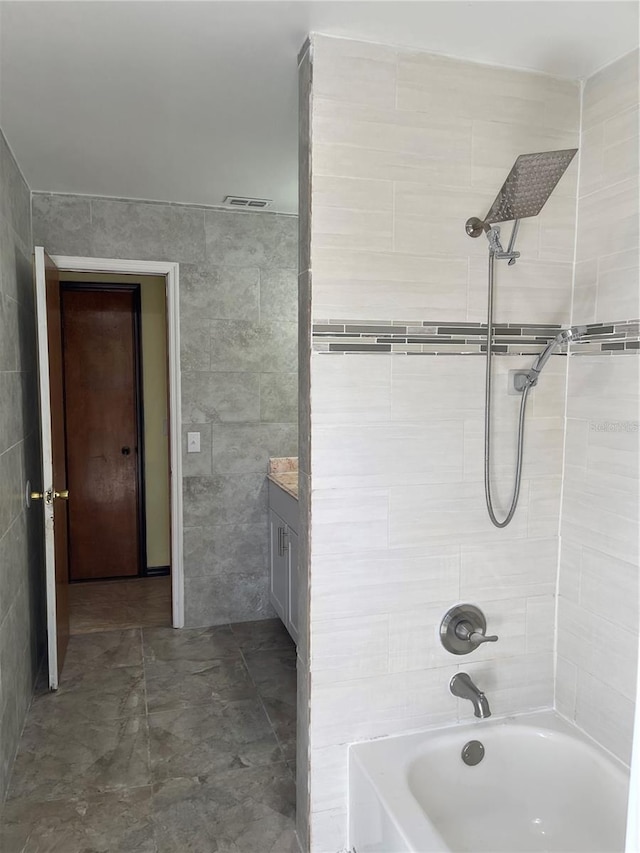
(101, 383)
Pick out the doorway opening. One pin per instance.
(114, 332)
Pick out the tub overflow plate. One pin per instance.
(472, 753)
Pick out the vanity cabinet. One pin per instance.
(283, 554)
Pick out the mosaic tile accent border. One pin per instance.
(416, 337)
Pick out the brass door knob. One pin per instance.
(63, 495)
(36, 496)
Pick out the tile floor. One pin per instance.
(161, 740)
(108, 605)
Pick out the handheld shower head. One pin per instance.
(566, 335)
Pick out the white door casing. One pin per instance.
(170, 271)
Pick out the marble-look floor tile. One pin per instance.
(118, 822)
(273, 670)
(58, 759)
(247, 810)
(282, 716)
(207, 739)
(177, 684)
(274, 673)
(203, 644)
(93, 695)
(116, 605)
(102, 651)
(261, 635)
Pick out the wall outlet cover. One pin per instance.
(193, 442)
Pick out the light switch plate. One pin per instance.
(193, 442)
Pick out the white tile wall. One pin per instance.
(406, 147)
(599, 563)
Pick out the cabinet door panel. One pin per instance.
(293, 584)
(279, 582)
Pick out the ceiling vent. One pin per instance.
(247, 203)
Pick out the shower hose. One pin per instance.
(487, 419)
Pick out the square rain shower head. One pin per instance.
(532, 179)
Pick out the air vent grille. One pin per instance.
(248, 203)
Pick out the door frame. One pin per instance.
(170, 272)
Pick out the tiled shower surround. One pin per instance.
(238, 328)
(403, 147)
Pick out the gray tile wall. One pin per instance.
(21, 580)
(238, 325)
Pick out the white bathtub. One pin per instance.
(541, 786)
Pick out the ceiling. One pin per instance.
(192, 101)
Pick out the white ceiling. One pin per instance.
(192, 101)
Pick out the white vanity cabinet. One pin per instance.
(283, 555)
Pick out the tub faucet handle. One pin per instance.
(464, 630)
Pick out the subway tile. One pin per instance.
(387, 454)
(354, 72)
(606, 714)
(352, 229)
(348, 520)
(353, 391)
(537, 290)
(381, 705)
(609, 587)
(513, 684)
(346, 649)
(330, 770)
(588, 641)
(446, 513)
(386, 285)
(328, 829)
(508, 569)
(541, 623)
(439, 85)
(421, 578)
(608, 218)
(610, 91)
(565, 687)
(352, 193)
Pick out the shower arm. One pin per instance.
(475, 227)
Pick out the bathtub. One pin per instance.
(541, 786)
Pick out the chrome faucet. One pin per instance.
(461, 685)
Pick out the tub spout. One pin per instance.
(461, 685)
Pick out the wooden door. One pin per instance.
(102, 403)
(52, 491)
